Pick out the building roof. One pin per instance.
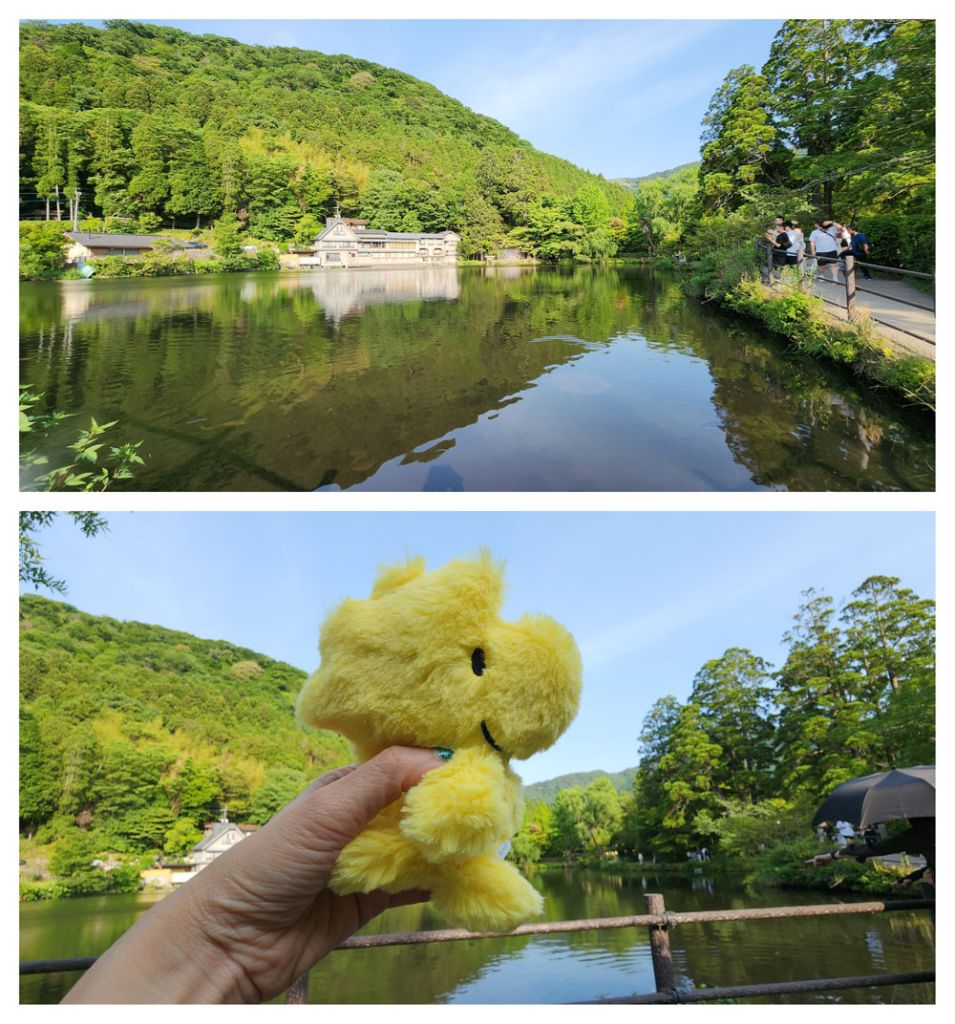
(100, 239)
(219, 828)
(374, 233)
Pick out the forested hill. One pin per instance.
(547, 790)
(137, 734)
(632, 183)
(153, 121)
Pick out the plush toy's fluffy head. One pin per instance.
(427, 661)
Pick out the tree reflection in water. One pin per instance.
(450, 379)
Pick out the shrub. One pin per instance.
(784, 867)
(42, 249)
(901, 241)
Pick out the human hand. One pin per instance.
(819, 860)
(260, 915)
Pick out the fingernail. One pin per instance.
(445, 753)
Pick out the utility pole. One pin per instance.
(59, 215)
(76, 209)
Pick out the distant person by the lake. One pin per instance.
(860, 249)
(792, 253)
(261, 915)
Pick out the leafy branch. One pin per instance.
(89, 467)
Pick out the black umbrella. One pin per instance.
(885, 796)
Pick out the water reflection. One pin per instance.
(566, 967)
(508, 378)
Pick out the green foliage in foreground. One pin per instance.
(84, 465)
(132, 736)
(32, 569)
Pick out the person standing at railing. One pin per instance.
(781, 243)
(822, 245)
(261, 915)
(860, 249)
(918, 840)
(799, 238)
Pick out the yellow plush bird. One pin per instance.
(427, 661)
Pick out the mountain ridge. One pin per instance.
(548, 789)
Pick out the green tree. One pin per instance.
(663, 210)
(889, 643)
(42, 249)
(740, 143)
(38, 784)
(181, 837)
(825, 722)
(812, 68)
(601, 813)
(280, 786)
(570, 837)
(534, 835)
(733, 694)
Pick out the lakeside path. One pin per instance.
(894, 314)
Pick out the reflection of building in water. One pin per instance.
(345, 243)
(343, 294)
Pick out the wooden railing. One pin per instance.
(657, 920)
(848, 287)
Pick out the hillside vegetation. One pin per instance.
(547, 790)
(131, 735)
(632, 183)
(164, 127)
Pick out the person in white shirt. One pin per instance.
(822, 246)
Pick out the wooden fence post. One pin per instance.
(659, 944)
(850, 265)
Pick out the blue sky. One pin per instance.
(621, 98)
(649, 596)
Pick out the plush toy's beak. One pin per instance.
(539, 695)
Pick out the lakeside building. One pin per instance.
(349, 243)
(92, 245)
(219, 836)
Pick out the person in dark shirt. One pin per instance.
(860, 249)
(781, 243)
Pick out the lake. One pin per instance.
(443, 379)
(564, 967)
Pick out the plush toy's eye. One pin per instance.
(477, 661)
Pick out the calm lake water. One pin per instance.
(557, 968)
(448, 379)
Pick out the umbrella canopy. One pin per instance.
(885, 796)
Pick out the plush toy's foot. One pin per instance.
(377, 859)
(485, 894)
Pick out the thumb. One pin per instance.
(345, 806)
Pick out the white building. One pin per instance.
(345, 243)
(220, 836)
